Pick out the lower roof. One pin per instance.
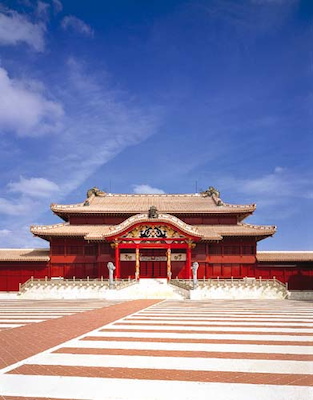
(108, 232)
(24, 254)
(284, 256)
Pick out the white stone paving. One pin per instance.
(208, 347)
(206, 336)
(175, 363)
(83, 388)
(217, 327)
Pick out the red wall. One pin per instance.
(13, 273)
(298, 277)
(74, 257)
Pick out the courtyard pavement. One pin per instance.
(151, 350)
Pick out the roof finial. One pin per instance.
(210, 192)
(96, 191)
(214, 193)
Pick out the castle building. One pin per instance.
(154, 236)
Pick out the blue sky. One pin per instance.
(157, 96)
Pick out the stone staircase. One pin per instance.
(150, 289)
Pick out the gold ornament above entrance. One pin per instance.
(132, 257)
(153, 232)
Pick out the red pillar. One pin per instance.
(189, 261)
(117, 261)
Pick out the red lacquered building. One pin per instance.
(154, 236)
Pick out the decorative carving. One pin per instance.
(155, 232)
(153, 212)
(96, 191)
(165, 217)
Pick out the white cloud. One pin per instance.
(147, 189)
(16, 28)
(77, 25)
(24, 109)
(34, 187)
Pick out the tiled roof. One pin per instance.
(284, 256)
(24, 255)
(206, 232)
(235, 230)
(140, 203)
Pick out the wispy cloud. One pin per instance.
(73, 23)
(16, 29)
(34, 187)
(57, 5)
(273, 189)
(146, 189)
(21, 206)
(42, 10)
(25, 110)
(100, 123)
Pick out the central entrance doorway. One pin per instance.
(153, 263)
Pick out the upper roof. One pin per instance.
(100, 202)
(24, 255)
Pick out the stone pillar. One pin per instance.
(137, 272)
(169, 266)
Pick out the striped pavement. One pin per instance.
(254, 349)
(16, 313)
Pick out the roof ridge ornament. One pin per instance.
(153, 212)
(95, 191)
(214, 193)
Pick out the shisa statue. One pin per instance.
(194, 268)
(111, 268)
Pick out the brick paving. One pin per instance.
(20, 343)
(17, 313)
(185, 349)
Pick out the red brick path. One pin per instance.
(23, 342)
